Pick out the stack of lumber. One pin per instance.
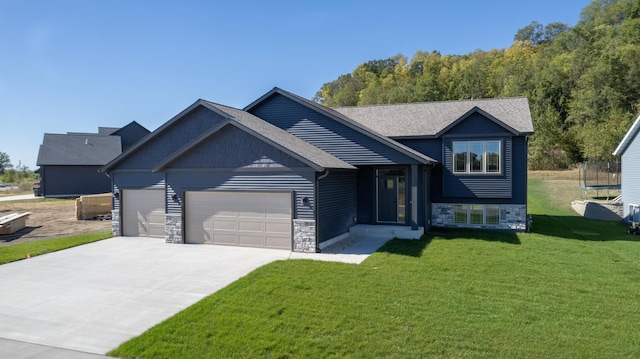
(14, 222)
(93, 206)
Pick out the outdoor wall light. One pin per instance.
(116, 195)
(305, 201)
(175, 197)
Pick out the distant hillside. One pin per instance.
(583, 82)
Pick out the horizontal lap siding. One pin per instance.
(478, 186)
(337, 204)
(631, 174)
(73, 180)
(300, 182)
(331, 136)
(366, 195)
(190, 126)
(136, 180)
(519, 172)
(431, 147)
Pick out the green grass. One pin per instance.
(19, 251)
(567, 290)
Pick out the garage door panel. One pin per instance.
(143, 213)
(278, 242)
(224, 225)
(274, 227)
(256, 219)
(254, 226)
(250, 240)
(224, 238)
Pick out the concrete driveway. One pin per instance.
(91, 298)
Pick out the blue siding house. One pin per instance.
(288, 173)
(629, 150)
(70, 163)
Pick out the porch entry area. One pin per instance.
(391, 204)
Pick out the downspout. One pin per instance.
(315, 207)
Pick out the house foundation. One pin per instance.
(512, 217)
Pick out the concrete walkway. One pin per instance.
(18, 198)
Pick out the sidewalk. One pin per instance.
(18, 198)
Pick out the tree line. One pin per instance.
(20, 173)
(582, 82)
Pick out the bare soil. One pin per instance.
(49, 218)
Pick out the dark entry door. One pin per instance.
(388, 199)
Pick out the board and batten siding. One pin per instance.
(135, 180)
(336, 204)
(301, 183)
(187, 128)
(476, 124)
(233, 148)
(327, 134)
(631, 174)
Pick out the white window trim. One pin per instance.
(467, 170)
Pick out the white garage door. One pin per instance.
(143, 213)
(251, 219)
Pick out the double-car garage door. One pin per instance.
(251, 219)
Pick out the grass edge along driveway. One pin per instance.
(15, 252)
(569, 289)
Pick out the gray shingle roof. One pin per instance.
(357, 125)
(78, 149)
(432, 118)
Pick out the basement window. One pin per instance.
(477, 214)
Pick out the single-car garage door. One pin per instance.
(251, 219)
(143, 213)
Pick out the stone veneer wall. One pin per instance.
(115, 223)
(304, 235)
(173, 228)
(512, 217)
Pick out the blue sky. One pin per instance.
(76, 65)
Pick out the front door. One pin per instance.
(391, 196)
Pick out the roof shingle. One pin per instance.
(431, 118)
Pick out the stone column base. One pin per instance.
(173, 228)
(115, 223)
(304, 235)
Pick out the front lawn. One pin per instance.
(21, 250)
(567, 290)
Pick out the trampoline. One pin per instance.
(596, 175)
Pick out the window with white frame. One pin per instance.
(476, 156)
(480, 214)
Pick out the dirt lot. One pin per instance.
(50, 218)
